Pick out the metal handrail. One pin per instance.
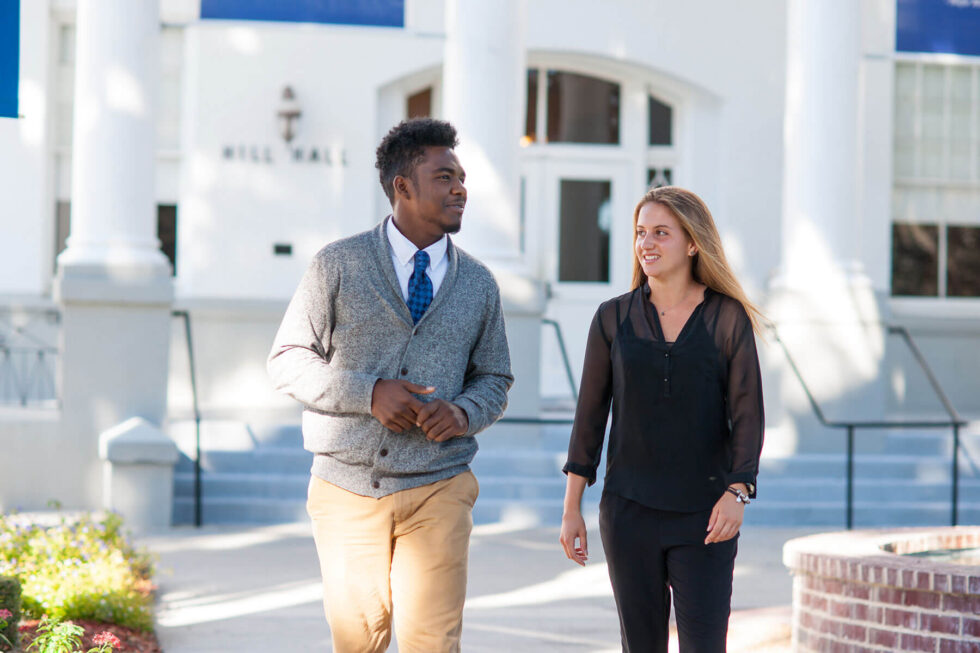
(954, 421)
(198, 499)
(564, 355)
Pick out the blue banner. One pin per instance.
(9, 57)
(377, 13)
(947, 26)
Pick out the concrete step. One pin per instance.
(877, 490)
(866, 515)
(886, 465)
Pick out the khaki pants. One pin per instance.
(403, 555)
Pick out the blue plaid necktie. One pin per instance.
(419, 287)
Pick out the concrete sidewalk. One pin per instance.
(258, 589)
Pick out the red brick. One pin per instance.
(902, 618)
(918, 643)
(889, 595)
(928, 600)
(855, 591)
(922, 580)
(829, 626)
(958, 584)
(811, 600)
(958, 646)
(840, 609)
(968, 604)
(854, 632)
(935, 623)
(908, 578)
(886, 638)
(940, 582)
(862, 612)
(808, 619)
(879, 574)
(971, 627)
(974, 584)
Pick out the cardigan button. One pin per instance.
(383, 452)
(404, 371)
(375, 485)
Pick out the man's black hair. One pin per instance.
(404, 146)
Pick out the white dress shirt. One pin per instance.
(403, 256)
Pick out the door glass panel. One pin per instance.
(582, 109)
(660, 122)
(963, 262)
(915, 259)
(419, 105)
(531, 117)
(585, 219)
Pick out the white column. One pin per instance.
(820, 299)
(484, 84)
(113, 217)
(483, 87)
(113, 283)
(821, 220)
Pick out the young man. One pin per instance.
(394, 343)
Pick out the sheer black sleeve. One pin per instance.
(744, 395)
(595, 395)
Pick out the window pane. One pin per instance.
(657, 177)
(582, 109)
(62, 226)
(933, 131)
(904, 136)
(167, 233)
(420, 104)
(963, 262)
(960, 119)
(531, 119)
(915, 259)
(661, 117)
(584, 239)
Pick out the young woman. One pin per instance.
(676, 358)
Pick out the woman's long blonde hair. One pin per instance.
(709, 265)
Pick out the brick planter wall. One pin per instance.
(854, 593)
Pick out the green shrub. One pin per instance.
(9, 602)
(83, 569)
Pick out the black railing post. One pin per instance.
(850, 476)
(197, 418)
(956, 473)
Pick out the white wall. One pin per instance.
(232, 211)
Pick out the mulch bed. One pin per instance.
(133, 641)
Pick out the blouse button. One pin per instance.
(404, 371)
(383, 452)
(375, 485)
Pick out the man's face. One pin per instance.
(436, 205)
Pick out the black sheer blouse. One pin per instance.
(687, 417)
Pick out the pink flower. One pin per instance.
(6, 614)
(106, 638)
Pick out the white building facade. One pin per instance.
(843, 173)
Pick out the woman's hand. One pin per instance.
(726, 517)
(573, 537)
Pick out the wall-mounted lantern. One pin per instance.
(289, 111)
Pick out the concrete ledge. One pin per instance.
(138, 475)
(137, 441)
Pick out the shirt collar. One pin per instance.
(404, 249)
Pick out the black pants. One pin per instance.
(652, 554)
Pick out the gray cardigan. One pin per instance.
(348, 326)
